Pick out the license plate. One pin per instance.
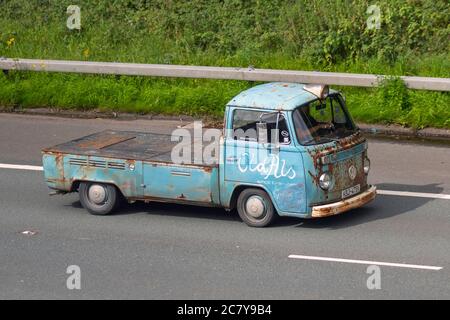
(351, 191)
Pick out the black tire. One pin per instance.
(263, 213)
(102, 205)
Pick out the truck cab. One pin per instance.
(286, 149)
(303, 149)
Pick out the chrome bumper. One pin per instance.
(344, 205)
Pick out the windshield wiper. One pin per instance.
(318, 140)
(309, 142)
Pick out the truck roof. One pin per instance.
(274, 96)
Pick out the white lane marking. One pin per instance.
(414, 194)
(20, 167)
(378, 263)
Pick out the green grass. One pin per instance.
(297, 35)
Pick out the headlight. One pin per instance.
(366, 165)
(325, 181)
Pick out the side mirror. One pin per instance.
(261, 132)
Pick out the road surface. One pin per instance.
(162, 251)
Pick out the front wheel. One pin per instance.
(98, 198)
(255, 208)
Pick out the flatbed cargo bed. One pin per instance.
(127, 145)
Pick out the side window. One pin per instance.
(284, 135)
(244, 125)
(283, 132)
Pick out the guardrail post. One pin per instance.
(5, 71)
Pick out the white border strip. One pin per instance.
(20, 167)
(414, 194)
(378, 263)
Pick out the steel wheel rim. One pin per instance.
(97, 194)
(255, 207)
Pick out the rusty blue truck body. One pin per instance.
(275, 156)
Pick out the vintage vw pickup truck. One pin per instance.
(286, 149)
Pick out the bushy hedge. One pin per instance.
(413, 39)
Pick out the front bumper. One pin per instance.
(344, 205)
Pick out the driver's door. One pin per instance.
(276, 166)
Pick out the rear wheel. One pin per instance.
(255, 208)
(98, 198)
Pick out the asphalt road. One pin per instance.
(161, 251)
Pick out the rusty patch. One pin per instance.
(351, 141)
(344, 205)
(59, 159)
(343, 144)
(315, 178)
(317, 152)
(127, 185)
(56, 180)
(105, 141)
(207, 169)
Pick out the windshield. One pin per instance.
(322, 121)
